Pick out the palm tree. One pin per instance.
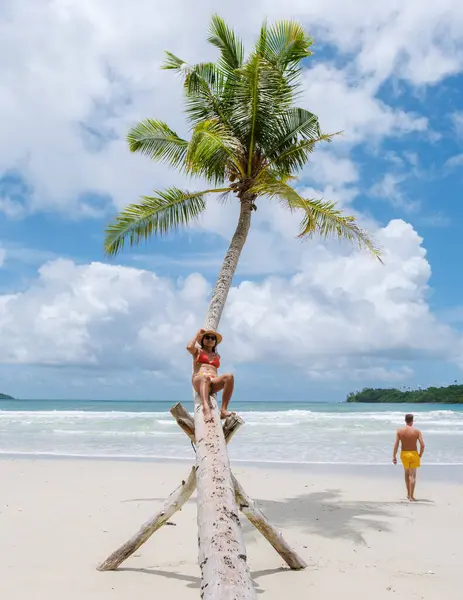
(248, 140)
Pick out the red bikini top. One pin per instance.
(203, 359)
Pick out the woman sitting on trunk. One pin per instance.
(206, 379)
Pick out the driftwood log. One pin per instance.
(186, 422)
(244, 502)
(222, 555)
(173, 503)
(260, 522)
(182, 494)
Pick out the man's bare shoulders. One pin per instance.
(408, 432)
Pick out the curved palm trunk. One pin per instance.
(230, 262)
(222, 554)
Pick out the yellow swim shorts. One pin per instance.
(410, 459)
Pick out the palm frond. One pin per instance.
(295, 157)
(284, 45)
(214, 152)
(263, 112)
(254, 98)
(294, 123)
(173, 63)
(156, 140)
(287, 44)
(204, 73)
(204, 86)
(231, 47)
(224, 197)
(165, 211)
(260, 97)
(207, 71)
(320, 217)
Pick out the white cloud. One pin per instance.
(98, 315)
(347, 103)
(389, 188)
(272, 246)
(82, 72)
(417, 41)
(341, 312)
(2, 256)
(436, 219)
(368, 373)
(11, 208)
(325, 168)
(345, 306)
(454, 162)
(457, 118)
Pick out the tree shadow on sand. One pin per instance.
(326, 514)
(321, 513)
(195, 582)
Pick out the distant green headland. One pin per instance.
(6, 397)
(452, 394)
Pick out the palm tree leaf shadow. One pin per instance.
(325, 514)
(321, 513)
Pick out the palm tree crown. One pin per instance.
(247, 139)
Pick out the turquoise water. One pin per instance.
(275, 432)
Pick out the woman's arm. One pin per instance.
(191, 347)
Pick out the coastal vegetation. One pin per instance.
(451, 394)
(6, 397)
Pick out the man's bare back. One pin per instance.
(408, 438)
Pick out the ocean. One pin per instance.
(274, 432)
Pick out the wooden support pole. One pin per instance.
(260, 522)
(245, 503)
(186, 422)
(173, 503)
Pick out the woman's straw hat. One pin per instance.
(212, 332)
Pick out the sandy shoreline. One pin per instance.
(435, 472)
(59, 518)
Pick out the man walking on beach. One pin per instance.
(408, 437)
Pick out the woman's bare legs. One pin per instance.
(205, 386)
(226, 383)
(202, 384)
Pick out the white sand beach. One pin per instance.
(60, 518)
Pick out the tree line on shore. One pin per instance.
(451, 394)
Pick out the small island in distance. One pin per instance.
(451, 394)
(6, 397)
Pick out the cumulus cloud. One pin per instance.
(325, 168)
(99, 315)
(347, 103)
(83, 72)
(346, 306)
(342, 313)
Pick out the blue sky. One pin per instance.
(304, 321)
